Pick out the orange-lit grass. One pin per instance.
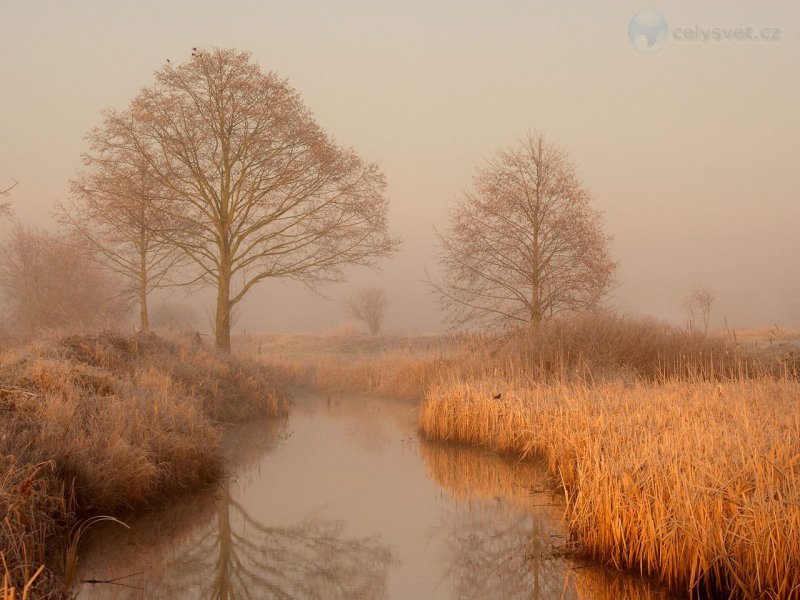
(695, 483)
(106, 423)
(591, 348)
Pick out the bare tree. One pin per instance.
(697, 307)
(368, 305)
(116, 208)
(257, 188)
(48, 282)
(526, 244)
(5, 207)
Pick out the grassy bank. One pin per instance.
(106, 424)
(695, 483)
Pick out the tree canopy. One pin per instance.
(256, 189)
(525, 244)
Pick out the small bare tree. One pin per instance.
(116, 209)
(257, 189)
(697, 308)
(369, 305)
(5, 207)
(526, 244)
(49, 282)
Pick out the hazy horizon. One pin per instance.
(690, 153)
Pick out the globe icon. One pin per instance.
(648, 32)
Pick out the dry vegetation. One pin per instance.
(105, 424)
(694, 482)
(678, 453)
(592, 348)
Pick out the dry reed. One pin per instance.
(591, 348)
(695, 483)
(678, 452)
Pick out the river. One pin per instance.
(342, 500)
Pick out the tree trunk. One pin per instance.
(536, 272)
(143, 310)
(536, 303)
(222, 323)
(145, 318)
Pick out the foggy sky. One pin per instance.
(691, 153)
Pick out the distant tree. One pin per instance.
(170, 315)
(697, 308)
(257, 189)
(49, 282)
(525, 245)
(369, 305)
(117, 206)
(5, 207)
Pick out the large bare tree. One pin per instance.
(257, 189)
(525, 245)
(368, 305)
(117, 206)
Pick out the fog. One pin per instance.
(690, 153)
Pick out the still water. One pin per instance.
(343, 501)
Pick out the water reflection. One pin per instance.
(371, 424)
(506, 535)
(212, 547)
(342, 501)
(239, 557)
(502, 535)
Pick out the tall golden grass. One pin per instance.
(103, 424)
(695, 483)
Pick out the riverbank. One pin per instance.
(696, 484)
(676, 451)
(99, 425)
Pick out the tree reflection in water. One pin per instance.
(210, 547)
(238, 557)
(494, 530)
(503, 537)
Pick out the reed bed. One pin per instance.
(105, 424)
(694, 483)
(677, 451)
(590, 349)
